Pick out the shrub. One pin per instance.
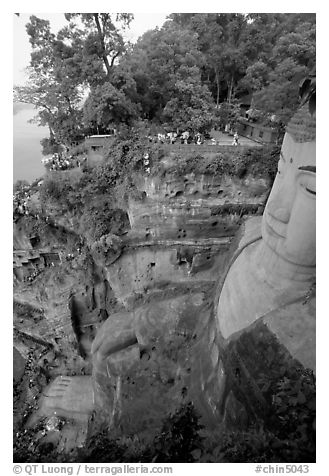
(259, 162)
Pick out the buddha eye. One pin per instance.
(310, 191)
(307, 182)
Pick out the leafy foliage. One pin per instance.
(63, 65)
(243, 54)
(238, 162)
(294, 406)
(173, 75)
(104, 43)
(184, 439)
(107, 106)
(280, 96)
(191, 107)
(91, 197)
(228, 113)
(292, 58)
(179, 437)
(50, 146)
(20, 185)
(57, 187)
(28, 448)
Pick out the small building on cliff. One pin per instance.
(257, 131)
(97, 142)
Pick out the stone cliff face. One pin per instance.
(165, 276)
(135, 310)
(179, 234)
(187, 207)
(171, 239)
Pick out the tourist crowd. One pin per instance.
(187, 137)
(62, 161)
(20, 202)
(172, 137)
(32, 276)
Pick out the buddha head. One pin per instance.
(288, 225)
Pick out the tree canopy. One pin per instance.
(88, 78)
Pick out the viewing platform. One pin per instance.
(97, 142)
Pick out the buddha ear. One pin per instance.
(303, 89)
(307, 92)
(312, 104)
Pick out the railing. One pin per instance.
(204, 148)
(98, 141)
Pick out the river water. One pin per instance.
(26, 148)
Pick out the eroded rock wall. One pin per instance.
(195, 206)
(177, 245)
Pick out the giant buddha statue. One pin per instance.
(273, 268)
(268, 281)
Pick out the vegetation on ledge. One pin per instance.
(238, 162)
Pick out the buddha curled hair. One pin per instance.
(302, 126)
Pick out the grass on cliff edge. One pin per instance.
(238, 162)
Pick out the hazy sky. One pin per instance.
(141, 23)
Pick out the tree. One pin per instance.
(168, 73)
(54, 84)
(191, 108)
(280, 96)
(256, 77)
(107, 106)
(63, 67)
(291, 59)
(57, 105)
(50, 146)
(221, 39)
(243, 54)
(159, 60)
(228, 114)
(103, 39)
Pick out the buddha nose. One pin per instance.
(280, 213)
